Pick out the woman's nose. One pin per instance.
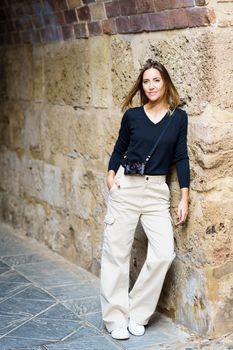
(151, 85)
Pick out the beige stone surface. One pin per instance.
(97, 11)
(60, 115)
(66, 73)
(18, 73)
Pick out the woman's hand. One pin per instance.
(183, 207)
(111, 179)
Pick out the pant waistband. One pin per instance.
(142, 178)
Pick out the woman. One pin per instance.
(144, 197)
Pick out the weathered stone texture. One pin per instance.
(66, 74)
(60, 115)
(18, 73)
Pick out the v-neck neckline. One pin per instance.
(143, 108)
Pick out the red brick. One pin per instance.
(27, 20)
(51, 33)
(37, 21)
(80, 30)
(37, 7)
(68, 32)
(201, 2)
(112, 9)
(59, 4)
(70, 16)
(60, 17)
(5, 39)
(161, 5)
(16, 38)
(122, 24)
(159, 21)
(84, 13)
(16, 9)
(54, 18)
(3, 28)
(25, 37)
(139, 23)
(19, 24)
(128, 7)
(197, 17)
(50, 19)
(94, 28)
(10, 27)
(3, 16)
(144, 6)
(109, 26)
(34, 36)
(27, 8)
(47, 7)
(3, 3)
(178, 19)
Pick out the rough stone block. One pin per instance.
(43, 182)
(74, 3)
(184, 296)
(100, 48)
(10, 173)
(123, 70)
(19, 73)
(97, 11)
(67, 77)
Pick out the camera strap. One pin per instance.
(161, 135)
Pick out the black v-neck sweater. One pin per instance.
(138, 135)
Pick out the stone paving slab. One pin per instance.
(47, 303)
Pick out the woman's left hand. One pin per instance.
(182, 211)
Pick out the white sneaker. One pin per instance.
(120, 333)
(135, 328)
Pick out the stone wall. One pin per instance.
(60, 114)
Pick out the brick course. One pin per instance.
(37, 21)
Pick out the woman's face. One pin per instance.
(153, 85)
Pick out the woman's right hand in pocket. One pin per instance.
(111, 180)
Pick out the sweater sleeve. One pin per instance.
(181, 154)
(121, 144)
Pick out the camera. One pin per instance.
(134, 168)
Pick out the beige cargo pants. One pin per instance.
(144, 198)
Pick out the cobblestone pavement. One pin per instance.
(47, 303)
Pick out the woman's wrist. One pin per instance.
(185, 194)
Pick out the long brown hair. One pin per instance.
(171, 94)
